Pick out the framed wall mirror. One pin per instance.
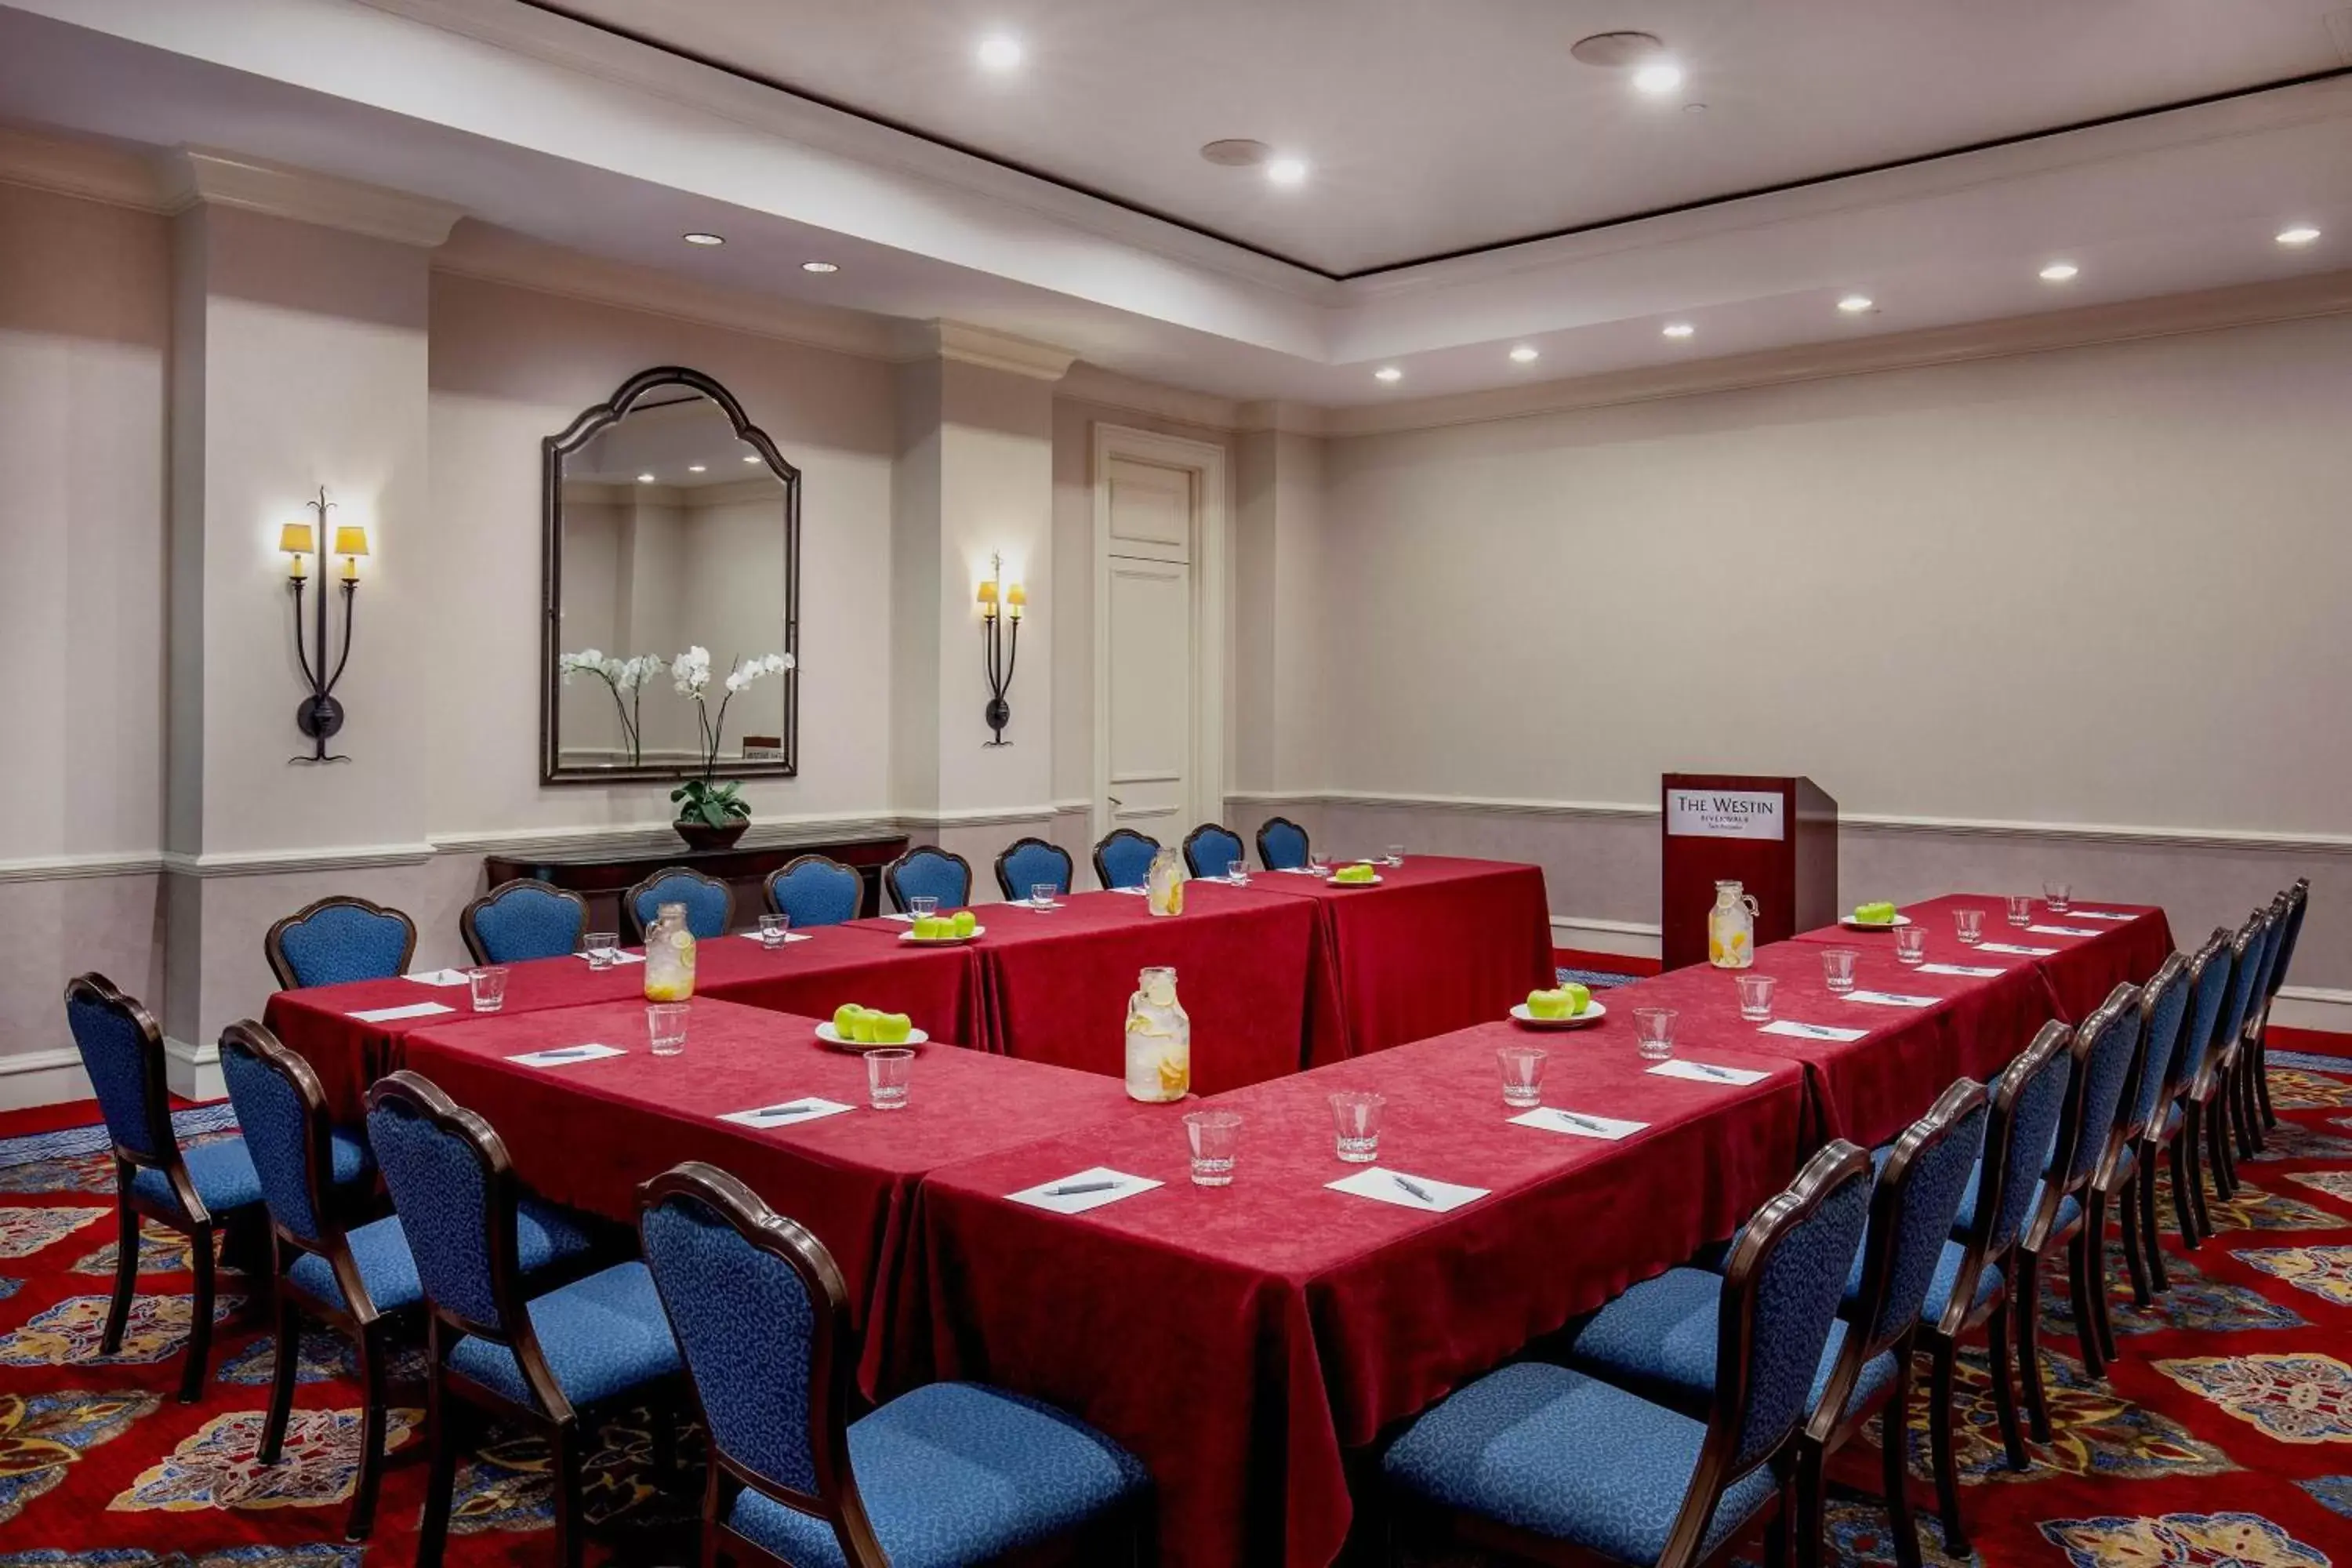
(671, 522)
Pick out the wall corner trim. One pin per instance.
(968, 344)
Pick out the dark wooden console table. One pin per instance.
(604, 873)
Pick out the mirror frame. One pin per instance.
(553, 449)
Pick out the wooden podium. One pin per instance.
(1777, 836)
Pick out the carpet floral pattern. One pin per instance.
(2222, 1439)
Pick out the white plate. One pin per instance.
(977, 931)
(1374, 882)
(1853, 924)
(832, 1037)
(1593, 1013)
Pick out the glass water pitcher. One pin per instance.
(669, 956)
(1159, 1040)
(1731, 927)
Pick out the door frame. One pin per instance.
(1210, 573)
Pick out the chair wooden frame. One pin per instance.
(1004, 878)
(2298, 898)
(191, 1219)
(890, 874)
(2193, 1094)
(1838, 1417)
(1102, 874)
(555, 1418)
(1826, 1172)
(273, 941)
(768, 883)
(2117, 1181)
(1266, 860)
(2246, 1087)
(2217, 1091)
(471, 932)
(359, 1319)
(1201, 832)
(634, 927)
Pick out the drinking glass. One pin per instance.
(1356, 1124)
(1237, 873)
(2059, 896)
(1970, 925)
(665, 1025)
(922, 907)
(603, 948)
(1394, 855)
(1041, 895)
(1911, 946)
(1523, 1070)
(1837, 969)
(774, 929)
(888, 1077)
(1216, 1138)
(1318, 862)
(490, 984)
(2021, 908)
(1756, 997)
(1654, 1032)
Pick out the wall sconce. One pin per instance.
(1000, 603)
(320, 715)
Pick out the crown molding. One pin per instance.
(991, 350)
(89, 170)
(1285, 416)
(196, 176)
(1087, 382)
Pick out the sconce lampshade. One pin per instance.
(351, 539)
(987, 592)
(1016, 595)
(295, 539)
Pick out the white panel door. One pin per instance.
(1150, 509)
(1150, 697)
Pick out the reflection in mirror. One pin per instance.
(670, 530)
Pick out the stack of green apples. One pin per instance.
(864, 1026)
(1569, 1001)
(1880, 914)
(946, 928)
(1357, 873)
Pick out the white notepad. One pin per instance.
(1891, 999)
(1797, 1031)
(390, 1015)
(621, 957)
(564, 1056)
(1708, 1072)
(2099, 915)
(1120, 1186)
(2011, 947)
(1387, 1186)
(789, 936)
(439, 976)
(2064, 930)
(787, 1114)
(1576, 1124)
(1966, 971)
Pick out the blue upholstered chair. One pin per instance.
(816, 891)
(2297, 898)
(1969, 1286)
(2163, 1003)
(1281, 845)
(948, 1473)
(927, 871)
(1536, 1458)
(2179, 1129)
(521, 920)
(1026, 863)
(1210, 848)
(1123, 858)
(2245, 1098)
(549, 1362)
(2249, 953)
(710, 902)
(198, 1192)
(338, 939)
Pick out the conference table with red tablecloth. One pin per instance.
(586, 1133)
(813, 974)
(2084, 954)
(1240, 1340)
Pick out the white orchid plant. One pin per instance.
(703, 799)
(626, 679)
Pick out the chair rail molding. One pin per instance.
(76, 868)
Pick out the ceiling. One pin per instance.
(549, 131)
(1432, 128)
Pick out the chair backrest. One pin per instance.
(337, 939)
(816, 891)
(1123, 858)
(1026, 863)
(710, 902)
(521, 920)
(2027, 1100)
(122, 1052)
(282, 1112)
(455, 1192)
(2246, 950)
(929, 871)
(761, 1318)
(2163, 1007)
(1281, 844)
(2105, 1045)
(2275, 924)
(2211, 977)
(1911, 1213)
(2297, 898)
(1210, 848)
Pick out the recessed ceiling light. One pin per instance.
(819, 266)
(1388, 373)
(1525, 355)
(645, 478)
(999, 53)
(1287, 171)
(2302, 234)
(697, 468)
(1677, 329)
(1658, 77)
(699, 238)
(2060, 272)
(1856, 304)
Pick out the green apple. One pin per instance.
(892, 1029)
(1580, 997)
(965, 923)
(927, 928)
(844, 1019)
(1877, 914)
(1353, 874)
(862, 1027)
(1549, 1005)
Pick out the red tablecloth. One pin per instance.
(1249, 971)
(587, 1133)
(1867, 1089)
(2081, 972)
(938, 989)
(1440, 944)
(1239, 1341)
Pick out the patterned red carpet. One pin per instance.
(2223, 1439)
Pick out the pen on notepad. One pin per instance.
(1584, 1121)
(794, 1109)
(1075, 1188)
(564, 1055)
(1711, 1072)
(1415, 1188)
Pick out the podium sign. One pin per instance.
(1776, 837)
